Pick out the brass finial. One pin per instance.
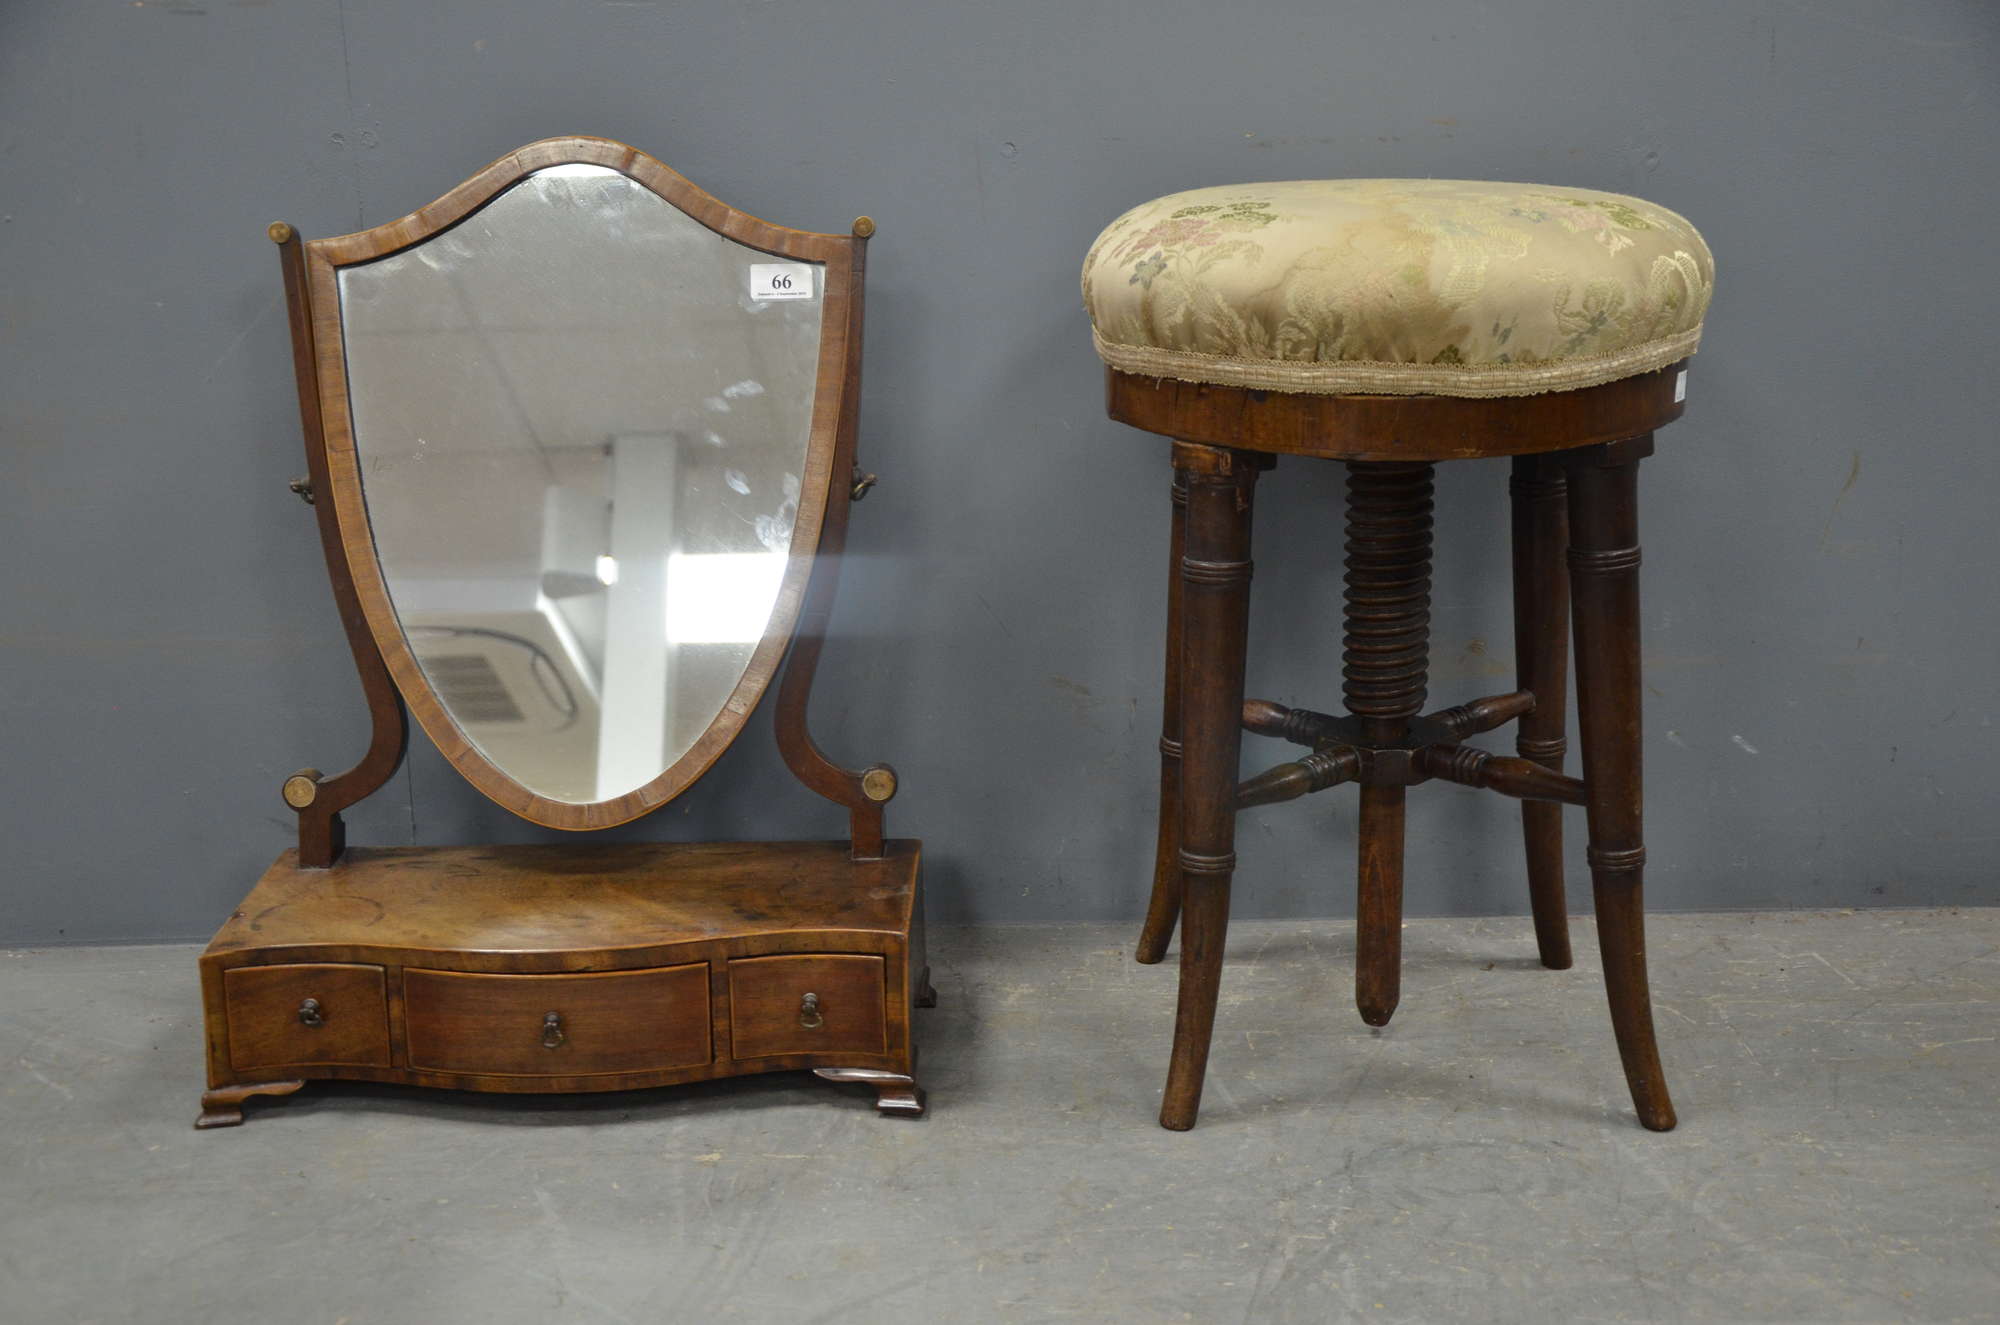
(864, 226)
(279, 232)
(302, 788)
(879, 783)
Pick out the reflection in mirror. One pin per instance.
(581, 419)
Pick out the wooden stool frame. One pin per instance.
(1574, 498)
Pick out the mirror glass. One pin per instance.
(581, 418)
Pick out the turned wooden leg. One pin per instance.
(1541, 665)
(223, 1106)
(1215, 618)
(1378, 969)
(896, 1095)
(1165, 907)
(1386, 656)
(1604, 587)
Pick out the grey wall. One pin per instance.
(1820, 624)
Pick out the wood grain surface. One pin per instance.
(351, 1004)
(766, 997)
(613, 1021)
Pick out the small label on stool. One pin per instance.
(1680, 386)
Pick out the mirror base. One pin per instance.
(560, 968)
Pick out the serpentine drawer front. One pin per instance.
(558, 1025)
(306, 1014)
(537, 969)
(806, 1005)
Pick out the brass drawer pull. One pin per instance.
(552, 1031)
(809, 1013)
(309, 1013)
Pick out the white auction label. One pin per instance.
(1680, 386)
(781, 280)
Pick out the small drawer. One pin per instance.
(807, 1005)
(281, 1016)
(557, 1025)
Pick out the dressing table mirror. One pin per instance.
(581, 450)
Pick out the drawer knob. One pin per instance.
(552, 1031)
(309, 1013)
(809, 1016)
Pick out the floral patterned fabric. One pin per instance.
(1403, 286)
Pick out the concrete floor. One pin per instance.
(1836, 1076)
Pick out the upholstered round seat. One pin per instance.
(1397, 286)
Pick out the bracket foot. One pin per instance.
(223, 1106)
(895, 1094)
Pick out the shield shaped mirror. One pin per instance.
(581, 422)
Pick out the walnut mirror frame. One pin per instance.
(351, 552)
(559, 967)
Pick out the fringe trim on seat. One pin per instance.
(1366, 378)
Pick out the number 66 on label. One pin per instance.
(781, 280)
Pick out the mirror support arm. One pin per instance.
(316, 799)
(863, 791)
